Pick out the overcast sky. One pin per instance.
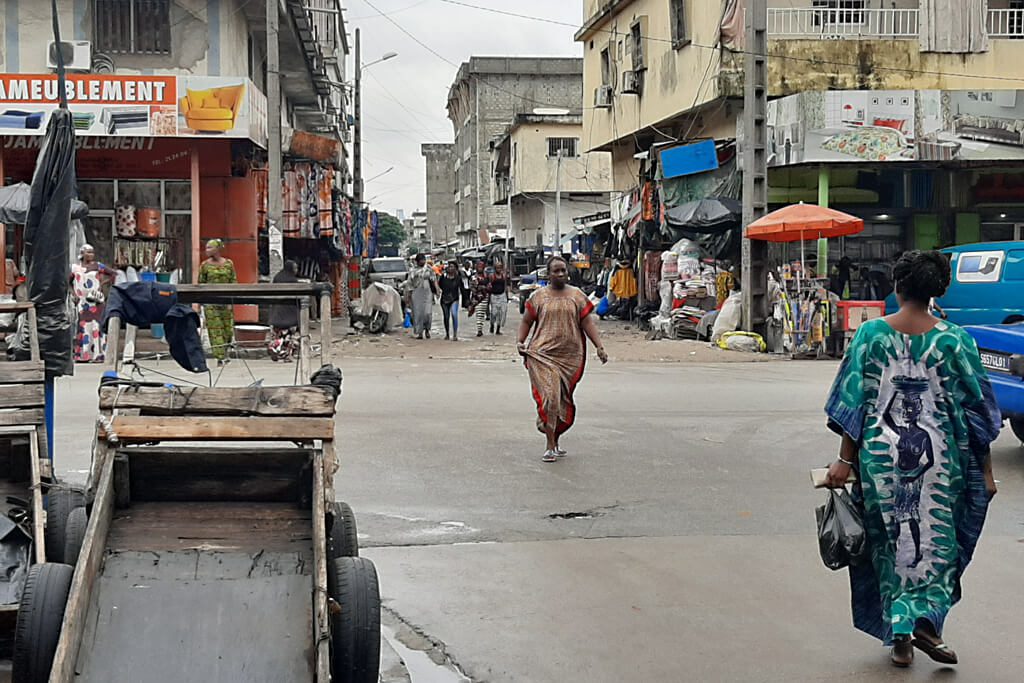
(404, 98)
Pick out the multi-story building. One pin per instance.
(170, 111)
(441, 183)
(487, 94)
(905, 112)
(540, 156)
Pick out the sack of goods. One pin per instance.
(730, 316)
(742, 341)
(669, 266)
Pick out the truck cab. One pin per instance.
(987, 285)
(1002, 353)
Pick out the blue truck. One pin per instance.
(1002, 354)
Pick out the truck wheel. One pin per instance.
(342, 539)
(40, 614)
(1017, 425)
(60, 501)
(355, 628)
(1013, 319)
(74, 535)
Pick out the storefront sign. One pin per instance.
(896, 125)
(104, 105)
(697, 157)
(315, 147)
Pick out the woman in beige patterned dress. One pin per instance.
(560, 316)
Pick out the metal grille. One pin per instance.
(567, 146)
(132, 26)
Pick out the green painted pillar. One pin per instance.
(823, 186)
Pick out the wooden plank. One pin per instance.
(38, 518)
(21, 371)
(326, 335)
(321, 627)
(304, 346)
(15, 306)
(87, 570)
(330, 468)
(26, 416)
(146, 429)
(33, 334)
(122, 481)
(112, 357)
(21, 395)
(307, 401)
(229, 475)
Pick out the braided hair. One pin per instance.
(922, 275)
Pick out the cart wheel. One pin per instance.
(1017, 425)
(39, 618)
(342, 540)
(355, 628)
(60, 501)
(74, 535)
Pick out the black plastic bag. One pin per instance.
(841, 537)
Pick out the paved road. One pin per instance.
(675, 543)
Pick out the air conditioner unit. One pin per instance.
(632, 82)
(603, 97)
(77, 54)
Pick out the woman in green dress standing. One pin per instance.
(916, 413)
(220, 320)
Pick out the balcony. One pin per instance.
(869, 24)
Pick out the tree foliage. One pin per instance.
(390, 230)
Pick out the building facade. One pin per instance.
(170, 114)
(487, 94)
(542, 156)
(441, 214)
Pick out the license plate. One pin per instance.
(996, 362)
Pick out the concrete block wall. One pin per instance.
(441, 183)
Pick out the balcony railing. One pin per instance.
(1006, 23)
(825, 23)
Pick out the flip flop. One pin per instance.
(902, 654)
(939, 652)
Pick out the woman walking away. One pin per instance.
(499, 298)
(87, 279)
(422, 288)
(450, 285)
(480, 293)
(560, 316)
(220, 320)
(916, 414)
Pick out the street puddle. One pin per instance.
(421, 668)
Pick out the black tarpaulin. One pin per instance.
(711, 215)
(47, 233)
(16, 199)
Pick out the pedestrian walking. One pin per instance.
(422, 285)
(499, 298)
(916, 413)
(220, 319)
(451, 288)
(480, 293)
(560, 317)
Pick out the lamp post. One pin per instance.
(357, 105)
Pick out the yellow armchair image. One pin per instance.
(214, 110)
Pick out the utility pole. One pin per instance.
(754, 276)
(508, 202)
(274, 198)
(357, 141)
(558, 204)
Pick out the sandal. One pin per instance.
(550, 456)
(902, 653)
(933, 646)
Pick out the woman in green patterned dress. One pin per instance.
(916, 414)
(220, 320)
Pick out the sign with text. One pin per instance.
(136, 106)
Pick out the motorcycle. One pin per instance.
(380, 309)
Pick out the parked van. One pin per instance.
(987, 287)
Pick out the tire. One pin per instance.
(522, 305)
(60, 501)
(355, 628)
(1013, 319)
(74, 535)
(39, 618)
(1017, 425)
(378, 321)
(342, 539)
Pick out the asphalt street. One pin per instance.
(676, 542)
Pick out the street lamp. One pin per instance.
(382, 173)
(357, 146)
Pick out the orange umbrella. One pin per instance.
(801, 222)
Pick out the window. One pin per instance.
(680, 37)
(606, 67)
(636, 43)
(840, 12)
(141, 27)
(566, 147)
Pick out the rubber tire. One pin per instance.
(39, 619)
(522, 305)
(342, 539)
(1017, 425)
(60, 501)
(1014, 319)
(74, 535)
(378, 321)
(355, 628)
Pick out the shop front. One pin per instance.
(164, 163)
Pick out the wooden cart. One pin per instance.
(214, 549)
